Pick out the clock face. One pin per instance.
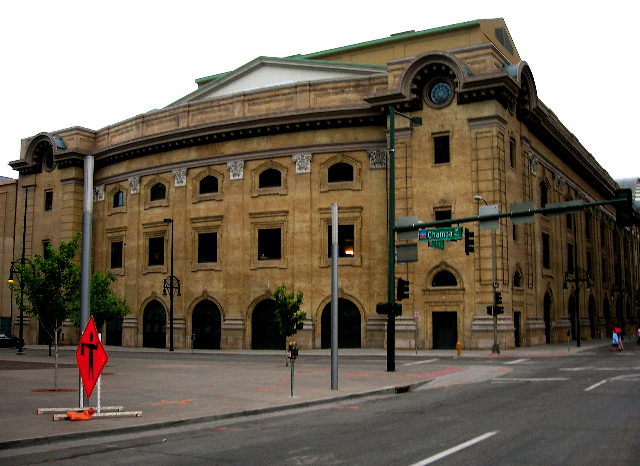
(440, 93)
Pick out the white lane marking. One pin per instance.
(420, 362)
(450, 451)
(514, 380)
(595, 385)
(517, 361)
(591, 368)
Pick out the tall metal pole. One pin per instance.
(575, 242)
(334, 296)
(171, 295)
(22, 261)
(496, 347)
(391, 271)
(85, 261)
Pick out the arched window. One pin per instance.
(517, 279)
(270, 178)
(158, 192)
(209, 185)
(543, 195)
(444, 278)
(340, 173)
(118, 199)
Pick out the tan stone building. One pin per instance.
(238, 177)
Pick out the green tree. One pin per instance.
(50, 284)
(104, 305)
(289, 317)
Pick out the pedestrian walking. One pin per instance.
(637, 337)
(615, 342)
(619, 333)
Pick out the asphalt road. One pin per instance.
(582, 410)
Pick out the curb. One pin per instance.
(34, 441)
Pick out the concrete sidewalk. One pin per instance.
(186, 387)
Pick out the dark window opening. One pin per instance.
(345, 241)
(441, 149)
(48, 201)
(118, 199)
(158, 192)
(46, 249)
(156, 251)
(209, 185)
(604, 271)
(546, 252)
(340, 173)
(444, 278)
(116, 255)
(570, 258)
(517, 279)
(269, 244)
(270, 178)
(543, 195)
(207, 247)
(589, 266)
(512, 153)
(443, 215)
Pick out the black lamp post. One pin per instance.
(17, 273)
(580, 276)
(171, 283)
(391, 263)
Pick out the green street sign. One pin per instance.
(438, 244)
(441, 234)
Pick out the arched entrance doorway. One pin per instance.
(547, 317)
(349, 324)
(206, 325)
(154, 323)
(264, 330)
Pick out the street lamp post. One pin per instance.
(171, 283)
(495, 349)
(17, 273)
(576, 281)
(391, 270)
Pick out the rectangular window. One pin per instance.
(569, 258)
(116, 255)
(207, 247)
(443, 215)
(546, 252)
(604, 271)
(512, 152)
(269, 244)
(569, 222)
(587, 225)
(45, 249)
(156, 251)
(345, 241)
(48, 201)
(602, 235)
(589, 263)
(441, 149)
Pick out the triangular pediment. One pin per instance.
(264, 72)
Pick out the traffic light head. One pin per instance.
(468, 241)
(381, 308)
(624, 209)
(402, 290)
(498, 297)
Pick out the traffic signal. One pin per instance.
(397, 309)
(498, 297)
(624, 209)
(490, 310)
(381, 308)
(468, 241)
(403, 289)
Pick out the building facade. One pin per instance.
(231, 187)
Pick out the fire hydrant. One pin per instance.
(459, 348)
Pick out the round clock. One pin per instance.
(440, 93)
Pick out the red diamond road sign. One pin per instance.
(91, 357)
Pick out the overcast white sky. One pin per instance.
(94, 63)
